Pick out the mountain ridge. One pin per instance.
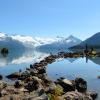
(93, 41)
(30, 42)
(60, 45)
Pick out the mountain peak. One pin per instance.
(71, 36)
(93, 41)
(97, 34)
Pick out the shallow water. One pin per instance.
(72, 68)
(14, 62)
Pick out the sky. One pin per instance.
(50, 18)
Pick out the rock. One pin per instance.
(51, 88)
(24, 75)
(44, 78)
(42, 70)
(28, 69)
(1, 77)
(14, 75)
(18, 84)
(2, 85)
(74, 95)
(66, 84)
(23, 90)
(80, 84)
(40, 91)
(11, 90)
(93, 94)
(87, 98)
(11, 98)
(42, 97)
(34, 85)
(4, 92)
(0, 94)
(37, 79)
(31, 66)
(33, 72)
(98, 77)
(28, 79)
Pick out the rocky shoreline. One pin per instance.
(33, 84)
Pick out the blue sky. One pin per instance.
(50, 18)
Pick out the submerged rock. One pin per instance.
(14, 75)
(98, 77)
(31, 66)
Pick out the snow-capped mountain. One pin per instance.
(8, 42)
(61, 44)
(29, 41)
(21, 41)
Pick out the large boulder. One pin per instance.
(66, 84)
(80, 84)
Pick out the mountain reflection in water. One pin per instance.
(28, 56)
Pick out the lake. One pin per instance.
(69, 68)
(72, 68)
